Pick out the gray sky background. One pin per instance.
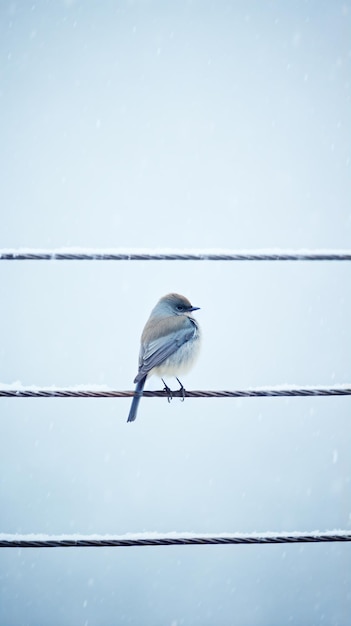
(175, 124)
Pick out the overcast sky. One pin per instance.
(180, 124)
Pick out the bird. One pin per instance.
(170, 344)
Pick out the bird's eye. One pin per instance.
(180, 307)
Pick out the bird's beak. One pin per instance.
(194, 308)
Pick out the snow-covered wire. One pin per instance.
(97, 254)
(16, 390)
(168, 539)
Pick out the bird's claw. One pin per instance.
(168, 391)
(182, 389)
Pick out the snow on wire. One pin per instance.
(137, 254)
(16, 390)
(168, 539)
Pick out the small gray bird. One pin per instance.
(169, 344)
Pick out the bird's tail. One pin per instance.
(135, 403)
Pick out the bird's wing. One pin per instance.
(165, 338)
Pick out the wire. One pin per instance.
(39, 541)
(174, 539)
(9, 254)
(259, 392)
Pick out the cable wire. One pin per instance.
(259, 392)
(11, 254)
(173, 539)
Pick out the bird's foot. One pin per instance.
(168, 391)
(182, 389)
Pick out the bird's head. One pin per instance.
(174, 304)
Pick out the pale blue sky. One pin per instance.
(175, 124)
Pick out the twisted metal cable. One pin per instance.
(285, 391)
(79, 541)
(10, 254)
